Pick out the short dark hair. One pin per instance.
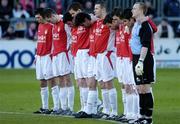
(40, 11)
(80, 18)
(117, 12)
(75, 6)
(48, 12)
(108, 18)
(102, 3)
(67, 17)
(127, 14)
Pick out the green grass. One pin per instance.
(19, 97)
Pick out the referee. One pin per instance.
(143, 62)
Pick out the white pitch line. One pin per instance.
(19, 113)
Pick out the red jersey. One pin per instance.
(59, 38)
(122, 42)
(44, 42)
(80, 40)
(103, 37)
(91, 39)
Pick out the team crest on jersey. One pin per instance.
(74, 38)
(91, 37)
(98, 31)
(59, 29)
(121, 38)
(120, 32)
(55, 36)
(46, 31)
(41, 38)
(80, 30)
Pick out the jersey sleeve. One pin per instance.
(145, 35)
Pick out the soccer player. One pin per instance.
(104, 41)
(68, 21)
(93, 103)
(124, 66)
(143, 61)
(43, 63)
(117, 24)
(61, 62)
(79, 49)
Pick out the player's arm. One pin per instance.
(145, 37)
(68, 32)
(152, 24)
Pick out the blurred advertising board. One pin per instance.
(19, 53)
(167, 53)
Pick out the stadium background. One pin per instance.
(19, 90)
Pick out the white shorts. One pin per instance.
(125, 70)
(91, 67)
(61, 64)
(80, 64)
(105, 64)
(43, 67)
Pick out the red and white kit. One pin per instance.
(92, 52)
(43, 53)
(124, 56)
(69, 41)
(79, 49)
(61, 61)
(104, 51)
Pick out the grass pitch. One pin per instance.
(20, 96)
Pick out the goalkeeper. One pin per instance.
(143, 62)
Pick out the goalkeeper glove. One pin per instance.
(139, 68)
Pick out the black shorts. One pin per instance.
(148, 68)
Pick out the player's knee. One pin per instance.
(102, 85)
(129, 89)
(52, 82)
(145, 88)
(43, 83)
(68, 82)
(109, 84)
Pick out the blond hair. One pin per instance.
(142, 7)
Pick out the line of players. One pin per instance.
(96, 49)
